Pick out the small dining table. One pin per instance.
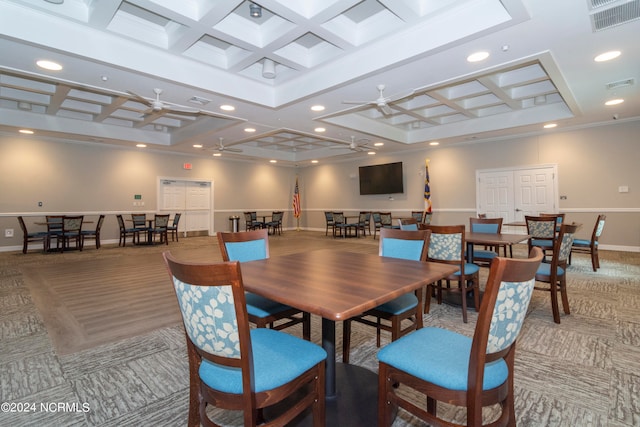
(337, 285)
(491, 239)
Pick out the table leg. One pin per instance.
(329, 345)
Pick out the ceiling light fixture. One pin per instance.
(434, 143)
(378, 144)
(141, 145)
(550, 125)
(314, 161)
(26, 131)
(197, 145)
(607, 56)
(319, 130)
(255, 11)
(55, 1)
(227, 107)
(217, 154)
(249, 130)
(614, 102)
(273, 161)
(317, 108)
(48, 65)
(478, 56)
(268, 69)
(371, 153)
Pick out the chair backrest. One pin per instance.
(161, 220)
(558, 216)
(223, 338)
(418, 215)
(121, 222)
(447, 244)
(328, 216)
(427, 218)
(502, 312)
(482, 216)
(254, 216)
(176, 219)
(597, 229)
(385, 219)
(276, 216)
(72, 223)
(377, 220)
(22, 225)
(99, 224)
(485, 225)
(363, 218)
(139, 220)
(54, 222)
(411, 245)
(247, 218)
(541, 227)
(408, 224)
(367, 216)
(338, 217)
(244, 246)
(562, 248)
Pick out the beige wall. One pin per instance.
(93, 179)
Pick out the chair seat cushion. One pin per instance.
(277, 359)
(262, 307)
(582, 242)
(440, 357)
(542, 243)
(482, 254)
(545, 270)
(468, 269)
(399, 305)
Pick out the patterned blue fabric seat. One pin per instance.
(489, 226)
(447, 366)
(590, 247)
(251, 246)
(542, 230)
(408, 307)
(447, 246)
(231, 365)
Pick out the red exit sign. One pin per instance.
(187, 166)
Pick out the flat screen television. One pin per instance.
(381, 179)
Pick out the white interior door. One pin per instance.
(513, 193)
(191, 198)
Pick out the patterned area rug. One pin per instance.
(583, 372)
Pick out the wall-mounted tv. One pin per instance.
(381, 179)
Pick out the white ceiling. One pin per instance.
(540, 70)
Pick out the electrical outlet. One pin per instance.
(8, 232)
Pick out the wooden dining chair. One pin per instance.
(71, 231)
(160, 228)
(584, 246)
(173, 228)
(251, 246)
(232, 366)
(555, 272)
(140, 226)
(377, 223)
(542, 231)
(35, 236)
(440, 365)
(329, 224)
(409, 224)
(490, 226)
(93, 234)
(125, 232)
(418, 216)
(447, 246)
(390, 316)
(54, 229)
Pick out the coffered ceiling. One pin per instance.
(386, 71)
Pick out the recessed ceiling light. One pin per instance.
(434, 143)
(607, 56)
(227, 107)
(314, 161)
(48, 65)
(317, 108)
(217, 154)
(249, 130)
(378, 144)
(550, 125)
(478, 56)
(614, 101)
(141, 145)
(273, 161)
(26, 131)
(319, 129)
(197, 145)
(371, 153)
(55, 1)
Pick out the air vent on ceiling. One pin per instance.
(616, 15)
(619, 83)
(199, 100)
(600, 3)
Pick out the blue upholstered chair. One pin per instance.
(173, 228)
(555, 272)
(36, 236)
(140, 226)
(160, 228)
(71, 232)
(418, 215)
(543, 231)
(328, 218)
(232, 366)
(408, 224)
(453, 368)
(490, 226)
(250, 246)
(377, 223)
(583, 246)
(447, 246)
(408, 307)
(93, 234)
(275, 225)
(125, 231)
(251, 221)
(364, 223)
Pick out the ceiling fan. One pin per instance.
(381, 102)
(353, 146)
(156, 105)
(221, 147)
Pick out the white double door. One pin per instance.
(194, 199)
(515, 192)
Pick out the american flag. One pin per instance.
(427, 189)
(296, 201)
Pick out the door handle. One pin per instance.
(518, 210)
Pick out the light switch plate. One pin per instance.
(623, 189)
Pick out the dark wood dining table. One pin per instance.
(491, 239)
(337, 285)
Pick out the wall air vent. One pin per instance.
(600, 3)
(619, 83)
(615, 15)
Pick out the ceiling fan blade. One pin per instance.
(233, 150)
(386, 110)
(359, 102)
(180, 109)
(140, 98)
